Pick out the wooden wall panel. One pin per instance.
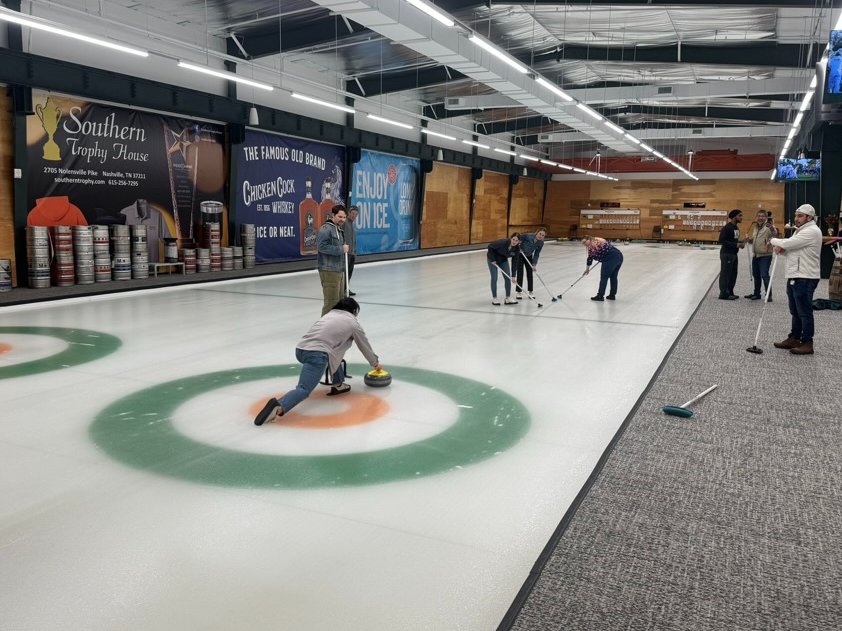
(566, 199)
(7, 222)
(526, 213)
(447, 207)
(491, 208)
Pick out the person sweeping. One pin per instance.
(322, 347)
(611, 258)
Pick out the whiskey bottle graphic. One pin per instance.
(308, 217)
(327, 202)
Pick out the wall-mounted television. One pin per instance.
(798, 169)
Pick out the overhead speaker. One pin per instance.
(355, 154)
(514, 178)
(476, 173)
(426, 165)
(237, 133)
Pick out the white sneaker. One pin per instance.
(509, 301)
(530, 294)
(495, 302)
(519, 296)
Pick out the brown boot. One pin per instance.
(804, 349)
(790, 342)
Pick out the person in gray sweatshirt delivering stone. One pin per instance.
(321, 348)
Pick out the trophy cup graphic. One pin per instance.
(49, 115)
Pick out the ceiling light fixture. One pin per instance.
(549, 163)
(632, 138)
(424, 130)
(491, 48)
(230, 76)
(432, 12)
(476, 144)
(616, 128)
(389, 121)
(14, 17)
(554, 89)
(507, 152)
(589, 111)
(335, 106)
(526, 157)
(646, 147)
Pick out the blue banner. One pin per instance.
(286, 187)
(385, 188)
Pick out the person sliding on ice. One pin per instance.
(611, 258)
(530, 247)
(323, 346)
(498, 255)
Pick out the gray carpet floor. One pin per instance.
(728, 520)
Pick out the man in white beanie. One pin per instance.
(801, 251)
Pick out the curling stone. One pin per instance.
(377, 378)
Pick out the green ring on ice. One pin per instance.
(82, 346)
(138, 431)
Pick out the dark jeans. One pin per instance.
(520, 266)
(727, 274)
(351, 259)
(760, 270)
(609, 271)
(799, 293)
(313, 366)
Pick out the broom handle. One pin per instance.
(696, 398)
(766, 298)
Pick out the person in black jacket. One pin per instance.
(499, 253)
(729, 239)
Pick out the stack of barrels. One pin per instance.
(5, 275)
(102, 255)
(188, 257)
(38, 256)
(140, 252)
(83, 253)
(62, 265)
(212, 240)
(248, 236)
(121, 263)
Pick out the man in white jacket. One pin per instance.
(802, 251)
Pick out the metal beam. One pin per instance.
(461, 5)
(768, 131)
(750, 54)
(748, 88)
(734, 113)
(264, 41)
(375, 84)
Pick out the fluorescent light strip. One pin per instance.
(554, 89)
(772, 177)
(616, 128)
(578, 170)
(491, 48)
(310, 99)
(643, 145)
(16, 18)
(805, 104)
(589, 111)
(565, 166)
(389, 121)
(508, 153)
(526, 157)
(230, 76)
(429, 132)
(632, 138)
(798, 118)
(814, 82)
(549, 163)
(476, 144)
(433, 13)
(791, 134)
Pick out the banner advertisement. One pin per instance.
(100, 164)
(385, 188)
(287, 188)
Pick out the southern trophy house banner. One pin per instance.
(287, 188)
(100, 164)
(385, 188)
